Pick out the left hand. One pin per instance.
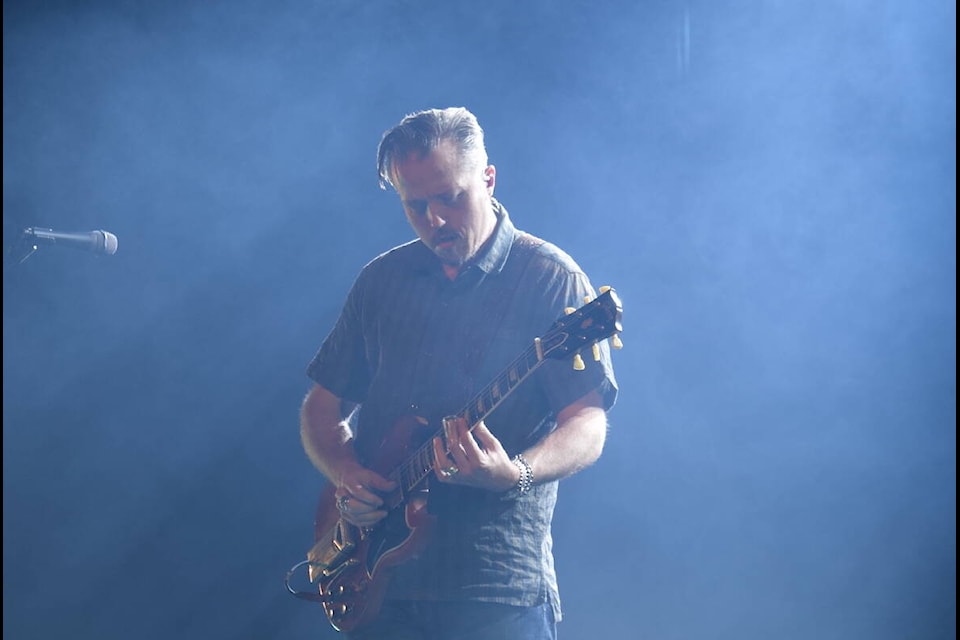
(475, 459)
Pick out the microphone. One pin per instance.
(96, 241)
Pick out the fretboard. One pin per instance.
(417, 467)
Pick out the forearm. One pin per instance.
(325, 435)
(575, 444)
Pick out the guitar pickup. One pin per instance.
(328, 554)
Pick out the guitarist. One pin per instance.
(425, 326)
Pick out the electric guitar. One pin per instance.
(352, 564)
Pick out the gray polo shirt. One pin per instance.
(411, 341)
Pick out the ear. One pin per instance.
(490, 178)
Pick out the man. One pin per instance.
(425, 327)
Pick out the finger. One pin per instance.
(459, 441)
(355, 508)
(486, 439)
(378, 482)
(440, 458)
(364, 519)
(360, 498)
(363, 485)
(451, 429)
(361, 495)
(372, 486)
(445, 467)
(468, 444)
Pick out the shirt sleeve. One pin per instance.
(562, 384)
(341, 365)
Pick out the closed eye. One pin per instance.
(416, 207)
(450, 199)
(419, 207)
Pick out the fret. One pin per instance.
(533, 364)
(394, 499)
(515, 373)
(411, 478)
(427, 459)
(424, 463)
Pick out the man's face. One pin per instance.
(447, 204)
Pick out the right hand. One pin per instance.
(357, 495)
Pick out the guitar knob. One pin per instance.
(578, 363)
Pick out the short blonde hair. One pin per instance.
(422, 131)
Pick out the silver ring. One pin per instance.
(451, 471)
(342, 502)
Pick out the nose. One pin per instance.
(435, 216)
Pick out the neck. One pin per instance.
(451, 271)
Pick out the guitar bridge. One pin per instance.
(332, 553)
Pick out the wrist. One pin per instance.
(525, 479)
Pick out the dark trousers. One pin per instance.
(418, 620)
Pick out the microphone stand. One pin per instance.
(23, 248)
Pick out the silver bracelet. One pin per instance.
(526, 474)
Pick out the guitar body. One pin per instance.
(352, 564)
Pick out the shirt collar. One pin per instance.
(494, 254)
(491, 257)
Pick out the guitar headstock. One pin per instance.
(596, 320)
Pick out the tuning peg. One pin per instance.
(578, 363)
(615, 342)
(587, 299)
(604, 289)
(569, 310)
(596, 352)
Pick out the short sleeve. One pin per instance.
(340, 365)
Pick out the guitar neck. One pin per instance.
(596, 320)
(417, 467)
